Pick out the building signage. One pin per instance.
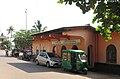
(66, 42)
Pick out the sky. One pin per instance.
(49, 12)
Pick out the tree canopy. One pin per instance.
(23, 39)
(6, 44)
(107, 14)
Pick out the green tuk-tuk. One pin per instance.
(74, 60)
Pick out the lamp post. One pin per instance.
(26, 17)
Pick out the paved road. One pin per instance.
(14, 68)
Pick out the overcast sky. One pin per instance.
(51, 14)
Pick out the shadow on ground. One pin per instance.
(31, 67)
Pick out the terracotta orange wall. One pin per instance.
(58, 50)
(89, 37)
(102, 45)
(34, 46)
(41, 45)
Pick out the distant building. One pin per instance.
(3, 38)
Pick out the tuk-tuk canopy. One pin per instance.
(74, 51)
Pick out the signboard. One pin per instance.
(66, 42)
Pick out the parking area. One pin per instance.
(15, 68)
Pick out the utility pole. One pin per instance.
(26, 17)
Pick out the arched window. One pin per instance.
(75, 47)
(111, 54)
(63, 48)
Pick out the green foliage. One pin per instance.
(6, 44)
(23, 39)
(107, 14)
(10, 30)
(38, 27)
(84, 5)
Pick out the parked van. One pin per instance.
(49, 59)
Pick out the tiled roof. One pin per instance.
(63, 29)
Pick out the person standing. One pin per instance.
(6, 51)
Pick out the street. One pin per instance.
(15, 68)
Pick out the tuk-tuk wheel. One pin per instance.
(85, 72)
(64, 69)
(22, 58)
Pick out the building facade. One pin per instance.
(80, 38)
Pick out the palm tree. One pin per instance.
(38, 27)
(10, 30)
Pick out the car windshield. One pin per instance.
(29, 52)
(52, 55)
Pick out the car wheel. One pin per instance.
(22, 58)
(37, 63)
(48, 64)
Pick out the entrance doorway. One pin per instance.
(63, 48)
(54, 49)
(90, 55)
(73, 58)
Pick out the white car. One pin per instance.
(49, 59)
